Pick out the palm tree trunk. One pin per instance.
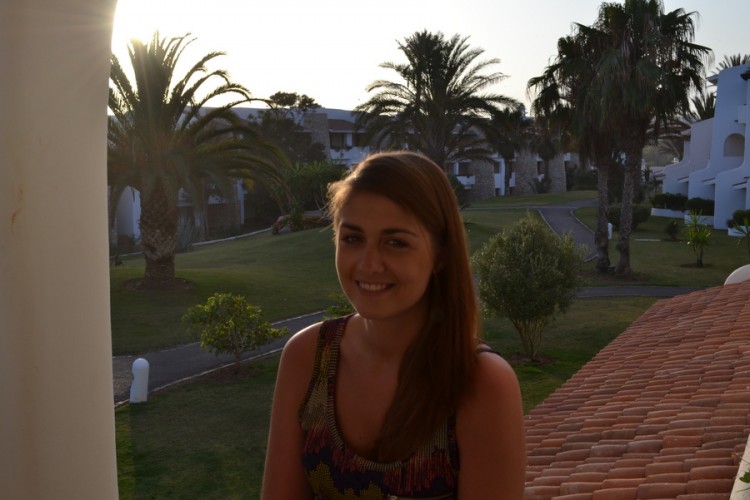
(626, 218)
(601, 236)
(158, 226)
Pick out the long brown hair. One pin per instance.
(439, 365)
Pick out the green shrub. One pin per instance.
(298, 222)
(669, 201)
(581, 178)
(700, 205)
(226, 323)
(641, 214)
(527, 274)
(739, 218)
(462, 195)
(698, 236)
(740, 222)
(673, 228)
(342, 307)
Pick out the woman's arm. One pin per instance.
(284, 477)
(491, 439)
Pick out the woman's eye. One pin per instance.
(349, 238)
(397, 243)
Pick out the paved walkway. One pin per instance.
(177, 364)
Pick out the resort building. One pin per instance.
(335, 130)
(716, 162)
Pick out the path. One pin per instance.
(180, 363)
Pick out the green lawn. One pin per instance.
(206, 439)
(658, 261)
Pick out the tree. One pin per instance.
(163, 138)
(226, 323)
(734, 60)
(648, 67)
(703, 107)
(637, 67)
(282, 125)
(560, 97)
(511, 135)
(528, 274)
(440, 108)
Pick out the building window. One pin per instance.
(359, 141)
(338, 140)
(463, 168)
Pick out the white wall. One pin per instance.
(57, 435)
(695, 158)
(730, 92)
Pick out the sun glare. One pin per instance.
(139, 19)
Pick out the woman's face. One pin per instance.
(384, 258)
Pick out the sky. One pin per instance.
(331, 50)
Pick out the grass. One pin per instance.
(658, 261)
(207, 439)
(200, 440)
(285, 275)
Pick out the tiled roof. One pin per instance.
(662, 412)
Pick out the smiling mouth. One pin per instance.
(372, 287)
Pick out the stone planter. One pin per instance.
(666, 212)
(732, 231)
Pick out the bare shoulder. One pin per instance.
(494, 376)
(298, 358)
(489, 428)
(284, 476)
(303, 343)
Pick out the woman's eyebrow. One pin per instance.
(386, 231)
(397, 230)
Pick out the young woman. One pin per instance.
(400, 399)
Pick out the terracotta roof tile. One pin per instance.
(662, 412)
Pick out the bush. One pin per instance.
(701, 206)
(698, 236)
(641, 214)
(298, 222)
(341, 307)
(673, 228)
(462, 195)
(669, 201)
(528, 274)
(740, 222)
(226, 323)
(739, 218)
(581, 178)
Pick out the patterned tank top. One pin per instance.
(336, 472)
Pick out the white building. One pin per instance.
(716, 163)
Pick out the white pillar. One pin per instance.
(139, 386)
(57, 435)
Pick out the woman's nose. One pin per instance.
(371, 260)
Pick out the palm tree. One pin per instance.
(648, 68)
(703, 107)
(560, 98)
(163, 138)
(734, 60)
(511, 129)
(640, 66)
(440, 107)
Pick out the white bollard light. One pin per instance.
(139, 387)
(609, 230)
